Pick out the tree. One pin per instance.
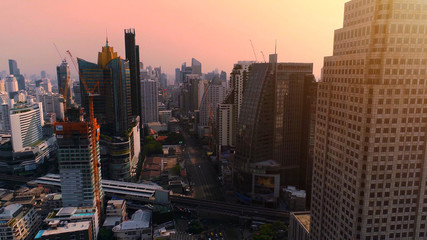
(105, 234)
(270, 231)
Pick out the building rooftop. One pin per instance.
(304, 219)
(9, 212)
(112, 221)
(64, 228)
(295, 192)
(140, 219)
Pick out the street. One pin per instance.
(201, 172)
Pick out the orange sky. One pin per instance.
(169, 32)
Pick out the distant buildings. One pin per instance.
(26, 125)
(14, 70)
(214, 94)
(53, 103)
(10, 84)
(18, 222)
(149, 107)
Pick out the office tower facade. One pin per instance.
(14, 70)
(26, 123)
(2, 87)
(369, 172)
(4, 118)
(223, 76)
(76, 163)
(64, 82)
(196, 67)
(10, 84)
(132, 55)
(149, 99)
(43, 74)
(272, 128)
(226, 126)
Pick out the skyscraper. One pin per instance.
(113, 106)
(132, 55)
(177, 76)
(14, 70)
(64, 82)
(76, 164)
(149, 108)
(272, 135)
(369, 172)
(43, 74)
(10, 84)
(113, 109)
(196, 67)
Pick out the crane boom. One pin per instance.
(253, 49)
(263, 56)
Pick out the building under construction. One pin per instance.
(78, 157)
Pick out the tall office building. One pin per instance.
(26, 123)
(64, 74)
(43, 74)
(149, 107)
(4, 118)
(196, 67)
(272, 134)
(226, 126)
(113, 109)
(76, 162)
(113, 106)
(132, 55)
(77, 93)
(369, 173)
(53, 103)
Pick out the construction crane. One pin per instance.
(253, 49)
(263, 56)
(92, 92)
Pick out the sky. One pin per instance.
(169, 32)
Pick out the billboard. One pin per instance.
(266, 184)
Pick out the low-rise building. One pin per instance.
(299, 226)
(294, 199)
(115, 213)
(18, 222)
(138, 228)
(66, 231)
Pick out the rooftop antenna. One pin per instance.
(106, 37)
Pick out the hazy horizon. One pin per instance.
(169, 32)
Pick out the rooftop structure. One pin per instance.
(139, 227)
(66, 230)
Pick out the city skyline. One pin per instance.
(181, 31)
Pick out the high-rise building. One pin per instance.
(113, 109)
(369, 172)
(2, 87)
(64, 82)
(272, 127)
(43, 74)
(132, 55)
(77, 93)
(177, 76)
(76, 162)
(4, 118)
(14, 70)
(26, 123)
(149, 108)
(10, 84)
(196, 67)
(223, 76)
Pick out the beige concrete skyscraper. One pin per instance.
(370, 166)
